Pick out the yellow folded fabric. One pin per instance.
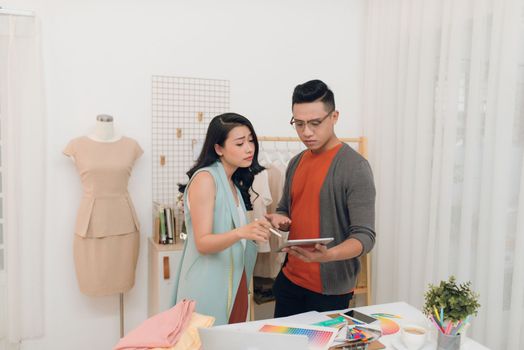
(190, 340)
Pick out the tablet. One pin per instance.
(310, 241)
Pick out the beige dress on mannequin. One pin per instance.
(106, 238)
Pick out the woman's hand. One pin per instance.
(279, 221)
(256, 231)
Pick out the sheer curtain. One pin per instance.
(22, 173)
(443, 109)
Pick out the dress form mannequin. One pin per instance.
(104, 130)
(106, 239)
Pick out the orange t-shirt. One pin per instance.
(305, 214)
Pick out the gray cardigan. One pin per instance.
(347, 210)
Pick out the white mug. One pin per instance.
(413, 336)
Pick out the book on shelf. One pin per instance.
(156, 222)
(169, 225)
(164, 224)
(173, 217)
(163, 231)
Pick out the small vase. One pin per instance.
(448, 341)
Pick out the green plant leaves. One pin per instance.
(457, 300)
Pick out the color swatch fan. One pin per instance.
(387, 324)
(319, 338)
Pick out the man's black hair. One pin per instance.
(314, 90)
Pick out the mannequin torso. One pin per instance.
(104, 130)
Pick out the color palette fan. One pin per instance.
(387, 324)
(318, 337)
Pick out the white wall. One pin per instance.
(99, 57)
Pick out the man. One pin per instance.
(329, 192)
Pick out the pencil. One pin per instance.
(432, 318)
(448, 328)
(436, 313)
(275, 232)
(456, 327)
(463, 325)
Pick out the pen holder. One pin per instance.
(448, 341)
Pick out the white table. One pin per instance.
(409, 314)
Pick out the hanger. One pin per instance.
(264, 158)
(279, 157)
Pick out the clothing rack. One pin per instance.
(364, 281)
(362, 141)
(9, 12)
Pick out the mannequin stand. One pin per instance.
(121, 315)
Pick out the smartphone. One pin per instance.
(359, 316)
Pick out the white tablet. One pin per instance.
(309, 241)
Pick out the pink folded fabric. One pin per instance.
(160, 331)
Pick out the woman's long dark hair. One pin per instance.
(217, 133)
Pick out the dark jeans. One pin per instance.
(292, 299)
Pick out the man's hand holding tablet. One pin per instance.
(308, 250)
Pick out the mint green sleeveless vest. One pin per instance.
(212, 280)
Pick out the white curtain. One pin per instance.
(23, 155)
(443, 104)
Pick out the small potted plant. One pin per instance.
(449, 306)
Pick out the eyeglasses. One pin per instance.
(313, 123)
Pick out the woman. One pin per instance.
(219, 254)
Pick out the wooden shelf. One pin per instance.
(163, 261)
(179, 245)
